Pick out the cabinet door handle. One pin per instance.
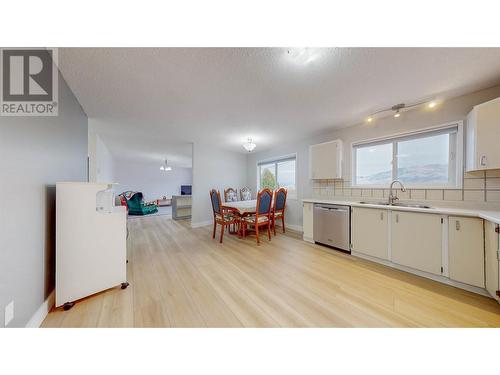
(397, 218)
(381, 216)
(457, 225)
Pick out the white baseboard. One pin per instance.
(201, 224)
(439, 278)
(40, 314)
(297, 228)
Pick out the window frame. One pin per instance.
(275, 161)
(456, 154)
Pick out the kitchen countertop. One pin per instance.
(493, 216)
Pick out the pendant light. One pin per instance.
(249, 145)
(166, 167)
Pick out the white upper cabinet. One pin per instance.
(325, 160)
(483, 135)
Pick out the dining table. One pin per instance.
(242, 207)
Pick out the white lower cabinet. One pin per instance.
(307, 221)
(466, 250)
(416, 241)
(369, 232)
(491, 258)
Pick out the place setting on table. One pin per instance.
(246, 215)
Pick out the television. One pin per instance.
(185, 189)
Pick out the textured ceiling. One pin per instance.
(156, 97)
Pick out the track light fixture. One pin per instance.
(397, 108)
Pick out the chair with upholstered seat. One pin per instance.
(223, 216)
(230, 195)
(262, 215)
(279, 208)
(245, 194)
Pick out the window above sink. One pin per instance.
(427, 159)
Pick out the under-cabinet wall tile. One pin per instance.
(493, 173)
(493, 183)
(366, 192)
(347, 192)
(474, 174)
(474, 195)
(474, 183)
(377, 193)
(418, 194)
(434, 195)
(355, 192)
(493, 196)
(453, 195)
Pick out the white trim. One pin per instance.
(459, 157)
(201, 224)
(297, 228)
(42, 312)
(409, 133)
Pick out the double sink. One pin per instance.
(410, 205)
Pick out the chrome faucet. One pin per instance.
(392, 197)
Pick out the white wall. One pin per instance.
(451, 110)
(149, 179)
(35, 153)
(101, 162)
(214, 168)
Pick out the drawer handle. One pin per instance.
(397, 218)
(381, 216)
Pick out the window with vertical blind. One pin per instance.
(425, 159)
(275, 173)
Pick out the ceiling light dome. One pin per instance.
(249, 145)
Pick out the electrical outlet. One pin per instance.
(9, 313)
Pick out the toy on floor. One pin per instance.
(136, 205)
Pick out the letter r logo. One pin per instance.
(27, 75)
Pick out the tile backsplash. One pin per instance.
(480, 187)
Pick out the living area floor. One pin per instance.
(181, 277)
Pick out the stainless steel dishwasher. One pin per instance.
(332, 225)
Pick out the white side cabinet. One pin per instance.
(325, 160)
(417, 241)
(466, 250)
(307, 221)
(91, 241)
(483, 133)
(370, 232)
(491, 258)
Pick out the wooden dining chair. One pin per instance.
(245, 194)
(223, 216)
(230, 195)
(262, 215)
(279, 205)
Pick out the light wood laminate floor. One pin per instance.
(180, 277)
